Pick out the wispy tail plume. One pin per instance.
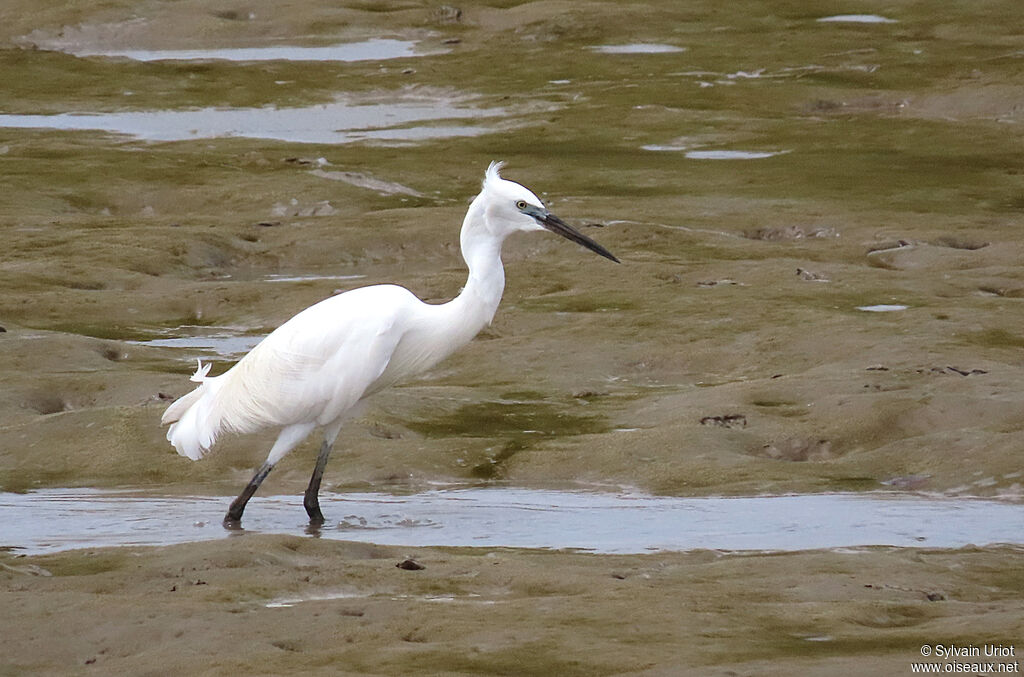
(193, 431)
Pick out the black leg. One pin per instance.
(233, 520)
(312, 499)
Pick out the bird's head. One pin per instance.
(511, 207)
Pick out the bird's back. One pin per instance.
(313, 368)
(319, 363)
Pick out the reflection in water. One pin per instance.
(62, 519)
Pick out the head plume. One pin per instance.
(493, 175)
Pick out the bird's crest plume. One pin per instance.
(493, 174)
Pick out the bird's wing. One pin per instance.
(318, 364)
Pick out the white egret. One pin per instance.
(313, 369)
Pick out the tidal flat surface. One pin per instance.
(728, 355)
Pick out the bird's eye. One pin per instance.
(521, 205)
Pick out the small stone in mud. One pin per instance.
(877, 367)
(714, 283)
(410, 565)
(446, 14)
(810, 276)
(268, 224)
(726, 421)
(935, 596)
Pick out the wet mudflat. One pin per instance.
(818, 214)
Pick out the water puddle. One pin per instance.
(368, 50)
(286, 602)
(51, 520)
(717, 154)
(882, 308)
(219, 341)
(732, 154)
(310, 278)
(637, 48)
(857, 19)
(332, 123)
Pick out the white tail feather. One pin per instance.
(193, 430)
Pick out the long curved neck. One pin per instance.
(482, 252)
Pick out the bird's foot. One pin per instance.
(232, 523)
(316, 518)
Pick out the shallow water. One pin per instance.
(691, 154)
(638, 48)
(219, 341)
(368, 50)
(731, 154)
(225, 345)
(310, 278)
(331, 123)
(883, 308)
(60, 519)
(857, 18)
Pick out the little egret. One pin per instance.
(313, 369)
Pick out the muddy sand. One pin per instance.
(819, 223)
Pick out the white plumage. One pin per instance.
(313, 369)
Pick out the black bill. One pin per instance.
(557, 225)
